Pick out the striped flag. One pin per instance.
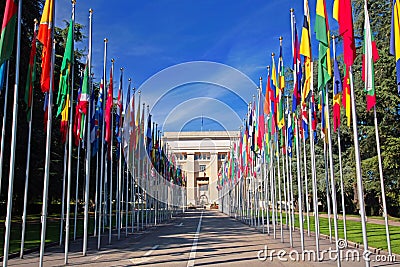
(44, 36)
(370, 55)
(8, 30)
(322, 35)
(337, 89)
(305, 50)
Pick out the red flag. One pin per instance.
(108, 113)
(44, 36)
(345, 20)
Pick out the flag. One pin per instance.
(304, 118)
(274, 98)
(298, 73)
(45, 37)
(337, 89)
(395, 39)
(313, 116)
(305, 50)
(137, 126)
(94, 125)
(370, 55)
(322, 35)
(31, 77)
(65, 74)
(118, 114)
(8, 30)
(127, 119)
(342, 12)
(64, 121)
(267, 103)
(81, 109)
(261, 122)
(280, 115)
(108, 112)
(149, 136)
(45, 109)
(290, 135)
(99, 104)
(2, 75)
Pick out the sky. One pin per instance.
(196, 63)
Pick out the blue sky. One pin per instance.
(166, 48)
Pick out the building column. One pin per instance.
(191, 199)
(212, 184)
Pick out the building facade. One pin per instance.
(200, 156)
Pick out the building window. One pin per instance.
(202, 168)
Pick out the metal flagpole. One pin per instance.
(102, 172)
(96, 194)
(299, 186)
(358, 167)
(88, 143)
(147, 175)
(118, 211)
(333, 183)
(385, 214)
(314, 176)
(340, 162)
(306, 183)
(111, 162)
(328, 199)
(63, 190)
(76, 188)
(70, 118)
(48, 152)
(279, 190)
(28, 158)
(287, 190)
(133, 188)
(142, 169)
(13, 139)
(3, 127)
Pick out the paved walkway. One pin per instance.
(196, 238)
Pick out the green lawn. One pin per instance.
(34, 227)
(376, 232)
(33, 232)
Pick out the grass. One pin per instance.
(376, 232)
(34, 228)
(33, 232)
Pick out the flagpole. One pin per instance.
(299, 185)
(142, 173)
(70, 117)
(48, 152)
(111, 160)
(313, 172)
(28, 157)
(13, 139)
(118, 211)
(102, 149)
(360, 188)
(77, 187)
(62, 215)
(385, 214)
(3, 127)
(333, 183)
(340, 164)
(96, 194)
(88, 143)
(328, 199)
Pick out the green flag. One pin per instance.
(65, 84)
